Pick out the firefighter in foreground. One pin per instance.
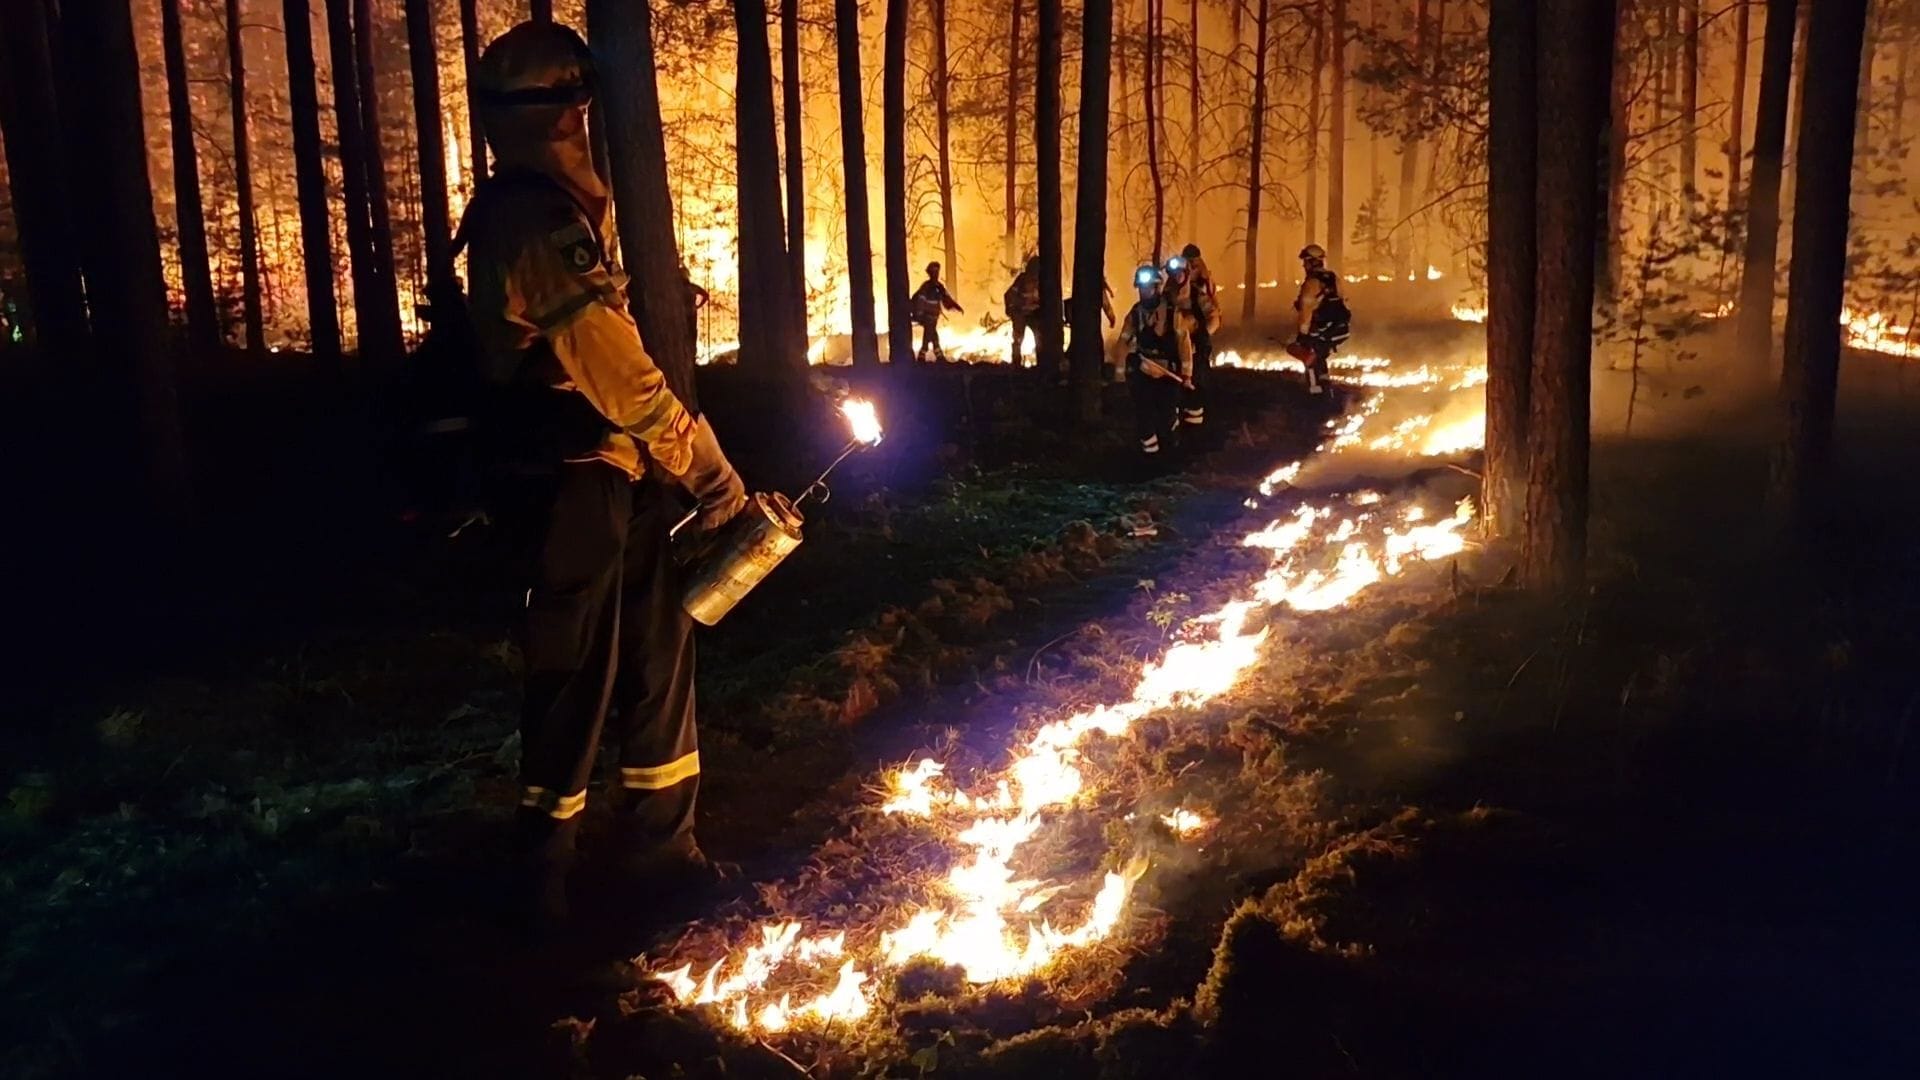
(605, 636)
(929, 302)
(1152, 349)
(1324, 322)
(1190, 287)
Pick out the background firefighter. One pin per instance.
(1022, 302)
(1324, 319)
(1153, 356)
(1190, 285)
(930, 301)
(604, 633)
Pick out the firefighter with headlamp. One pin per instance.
(606, 642)
(1197, 316)
(1152, 349)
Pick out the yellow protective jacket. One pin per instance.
(540, 275)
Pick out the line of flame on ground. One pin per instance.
(989, 919)
(1863, 329)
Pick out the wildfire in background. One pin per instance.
(997, 914)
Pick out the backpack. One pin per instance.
(1333, 319)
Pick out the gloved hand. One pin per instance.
(710, 479)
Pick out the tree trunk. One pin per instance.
(792, 117)
(353, 170)
(251, 315)
(37, 175)
(1010, 250)
(1090, 211)
(1337, 140)
(1257, 158)
(1308, 216)
(1690, 99)
(540, 11)
(120, 245)
(1737, 131)
(470, 60)
(1050, 345)
(628, 109)
(310, 180)
(1410, 157)
(381, 338)
(1815, 282)
(767, 343)
(1755, 309)
(1572, 98)
(1151, 85)
(893, 177)
(423, 58)
(1193, 120)
(190, 216)
(1512, 263)
(942, 97)
(853, 163)
(1796, 100)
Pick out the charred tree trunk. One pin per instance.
(1810, 374)
(1737, 131)
(1308, 217)
(628, 109)
(1193, 120)
(792, 117)
(1151, 85)
(423, 58)
(942, 119)
(1010, 247)
(30, 118)
(381, 338)
(1257, 152)
(310, 180)
(1337, 139)
(1050, 345)
(1572, 99)
(190, 215)
(470, 60)
(1410, 157)
(893, 175)
(1512, 263)
(767, 343)
(120, 245)
(1754, 311)
(250, 309)
(1090, 211)
(853, 162)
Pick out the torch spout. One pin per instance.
(820, 482)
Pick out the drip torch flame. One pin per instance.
(863, 420)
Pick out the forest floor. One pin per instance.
(1666, 830)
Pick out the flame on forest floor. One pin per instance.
(1863, 329)
(995, 915)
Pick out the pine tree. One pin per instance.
(1512, 263)
(853, 162)
(190, 216)
(1754, 313)
(1090, 215)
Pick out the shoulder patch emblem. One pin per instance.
(575, 245)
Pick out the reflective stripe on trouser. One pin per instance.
(1153, 410)
(930, 339)
(1193, 403)
(552, 803)
(606, 638)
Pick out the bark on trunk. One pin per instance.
(768, 346)
(1050, 346)
(1257, 159)
(1810, 373)
(1755, 309)
(893, 179)
(381, 337)
(1512, 263)
(470, 60)
(1572, 98)
(310, 180)
(853, 163)
(1337, 140)
(1151, 86)
(37, 175)
(1010, 243)
(423, 59)
(1737, 130)
(190, 216)
(942, 104)
(250, 311)
(628, 109)
(792, 118)
(1090, 211)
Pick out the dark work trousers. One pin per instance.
(1322, 350)
(1023, 326)
(1193, 403)
(606, 639)
(930, 339)
(1154, 401)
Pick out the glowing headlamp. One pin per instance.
(1146, 276)
(1176, 264)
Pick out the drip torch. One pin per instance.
(765, 532)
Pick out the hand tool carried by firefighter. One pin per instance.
(1155, 369)
(727, 565)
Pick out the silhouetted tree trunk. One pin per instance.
(470, 59)
(1192, 166)
(120, 245)
(30, 118)
(1152, 84)
(1257, 164)
(1690, 97)
(767, 342)
(1050, 347)
(250, 313)
(942, 120)
(1816, 279)
(380, 338)
(190, 217)
(353, 170)
(1737, 132)
(853, 162)
(792, 115)
(893, 177)
(1337, 139)
(1512, 263)
(310, 180)
(1755, 309)
(628, 108)
(1308, 216)
(540, 10)
(1410, 154)
(1090, 210)
(1572, 98)
(423, 58)
(1010, 245)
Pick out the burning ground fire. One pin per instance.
(995, 916)
(1868, 331)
